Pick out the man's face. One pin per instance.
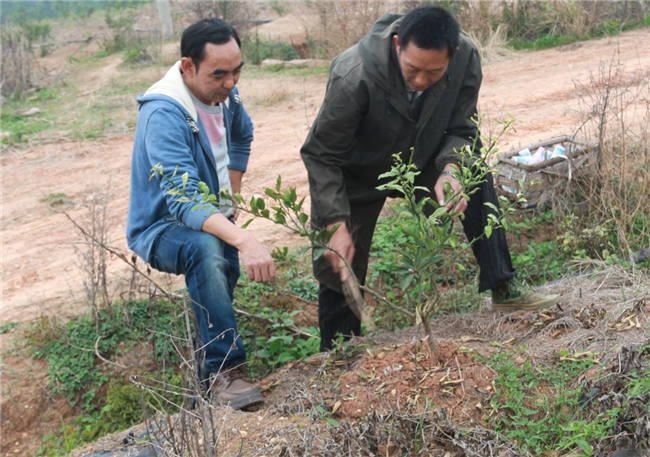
(217, 74)
(420, 67)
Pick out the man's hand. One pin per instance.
(257, 260)
(252, 254)
(342, 243)
(448, 181)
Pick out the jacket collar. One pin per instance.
(172, 86)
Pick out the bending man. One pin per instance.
(411, 82)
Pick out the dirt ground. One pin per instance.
(40, 261)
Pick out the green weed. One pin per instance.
(21, 127)
(269, 337)
(125, 405)
(8, 327)
(284, 70)
(256, 50)
(55, 199)
(540, 408)
(69, 348)
(540, 262)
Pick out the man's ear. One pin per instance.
(396, 43)
(187, 65)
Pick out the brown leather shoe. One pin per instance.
(231, 388)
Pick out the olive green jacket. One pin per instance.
(365, 118)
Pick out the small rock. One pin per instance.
(32, 111)
(626, 453)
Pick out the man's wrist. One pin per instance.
(448, 173)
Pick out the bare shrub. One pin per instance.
(529, 20)
(196, 429)
(342, 23)
(131, 30)
(17, 61)
(93, 258)
(491, 43)
(615, 106)
(238, 13)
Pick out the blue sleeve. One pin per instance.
(241, 133)
(167, 142)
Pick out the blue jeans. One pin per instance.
(211, 269)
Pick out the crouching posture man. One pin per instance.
(192, 121)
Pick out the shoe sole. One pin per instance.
(541, 304)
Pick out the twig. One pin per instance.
(103, 359)
(387, 301)
(294, 329)
(460, 375)
(119, 254)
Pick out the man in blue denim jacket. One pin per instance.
(193, 122)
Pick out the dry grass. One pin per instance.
(491, 44)
(343, 23)
(17, 61)
(615, 106)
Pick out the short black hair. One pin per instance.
(210, 30)
(430, 27)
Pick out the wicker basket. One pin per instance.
(547, 180)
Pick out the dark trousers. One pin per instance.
(492, 255)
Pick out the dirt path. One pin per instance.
(40, 260)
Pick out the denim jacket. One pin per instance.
(169, 133)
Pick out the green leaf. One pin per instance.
(271, 193)
(184, 177)
(582, 444)
(203, 187)
(492, 206)
(332, 422)
(279, 218)
(438, 213)
(488, 231)
(253, 205)
(300, 203)
(406, 281)
(247, 223)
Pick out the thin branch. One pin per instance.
(105, 360)
(387, 301)
(294, 329)
(122, 256)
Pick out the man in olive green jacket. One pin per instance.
(411, 82)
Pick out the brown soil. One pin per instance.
(410, 377)
(40, 248)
